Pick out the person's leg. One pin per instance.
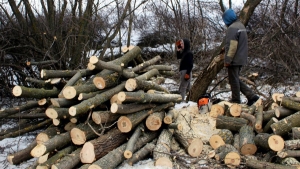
(248, 92)
(183, 84)
(234, 81)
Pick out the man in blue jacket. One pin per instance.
(185, 67)
(236, 54)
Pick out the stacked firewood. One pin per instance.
(109, 115)
(100, 116)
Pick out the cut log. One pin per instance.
(267, 127)
(283, 126)
(57, 142)
(235, 110)
(104, 117)
(27, 129)
(162, 149)
(261, 140)
(133, 139)
(216, 141)
(141, 97)
(69, 161)
(22, 155)
(85, 96)
(232, 159)
(259, 118)
(47, 134)
(290, 104)
(277, 97)
(288, 153)
(114, 99)
(175, 126)
(84, 132)
(158, 67)
(236, 141)
(56, 157)
(136, 84)
(115, 157)
(97, 148)
(146, 64)
(48, 74)
(141, 154)
(154, 120)
(17, 109)
(216, 110)
(104, 82)
(129, 108)
(291, 161)
(57, 113)
(39, 83)
(127, 123)
(247, 144)
(71, 92)
(193, 146)
(226, 135)
(171, 114)
(262, 164)
(230, 123)
(222, 152)
(22, 91)
(85, 105)
(248, 117)
(292, 144)
(276, 142)
(62, 102)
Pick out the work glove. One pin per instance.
(186, 76)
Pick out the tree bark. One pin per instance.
(22, 155)
(154, 120)
(283, 126)
(15, 110)
(262, 164)
(104, 82)
(97, 148)
(162, 149)
(62, 102)
(71, 92)
(57, 113)
(84, 132)
(247, 144)
(133, 139)
(69, 161)
(22, 91)
(129, 108)
(136, 84)
(230, 123)
(290, 104)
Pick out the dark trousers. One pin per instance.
(237, 85)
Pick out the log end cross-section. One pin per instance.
(124, 124)
(86, 155)
(38, 150)
(276, 142)
(78, 136)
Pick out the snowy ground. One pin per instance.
(11, 145)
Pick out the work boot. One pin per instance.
(252, 100)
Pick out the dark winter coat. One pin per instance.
(186, 56)
(236, 44)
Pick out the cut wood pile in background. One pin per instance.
(119, 115)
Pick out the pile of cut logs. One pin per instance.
(109, 115)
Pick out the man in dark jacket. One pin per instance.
(185, 67)
(236, 54)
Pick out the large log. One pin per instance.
(22, 91)
(104, 117)
(162, 149)
(292, 144)
(286, 102)
(99, 147)
(129, 108)
(296, 132)
(288, 153)
(107, 81)
(114, 158)
(222, 154)
(47, 134)
(85, 105)
(62, 102)
(247, 145)
(55, 143)
(154, 120)
(71, 92)
(269, 141)
(69, 161)
(128, 122)
(57, 113)
(141, 97)
(230, 123)
(267, 127)
(283, 126)
(136, 84)
(170, 116)
(84, 132)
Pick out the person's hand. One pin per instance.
(226, 64)
(186, 76)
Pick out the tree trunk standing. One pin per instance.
(208, 74)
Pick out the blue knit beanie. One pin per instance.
(229, 17)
